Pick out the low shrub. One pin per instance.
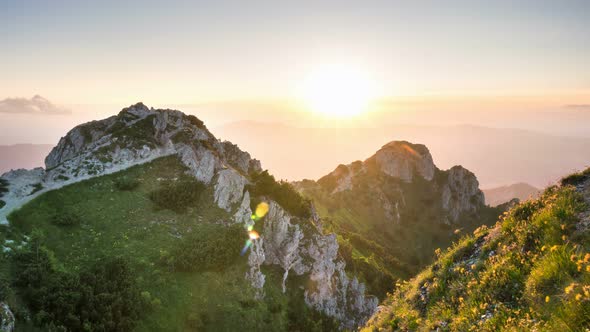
(209, 247)
(125, 183)
(264, 184)
(196, 121)
(178, 195)
(103, 297)
(576, 178)
(66, 218)
(36, 187)
(62, 177)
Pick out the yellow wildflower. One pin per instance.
(547, 299)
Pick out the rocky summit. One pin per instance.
(395, 208)
(403, 162)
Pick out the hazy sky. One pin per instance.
(179, 52)
(434, 64)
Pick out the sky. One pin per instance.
(187, 52)
(519, 65)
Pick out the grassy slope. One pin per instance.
(126, 223)
(529, 272)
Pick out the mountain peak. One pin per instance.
(404, 160)
(136, 135)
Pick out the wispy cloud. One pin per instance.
(580, 107)
(35, 105)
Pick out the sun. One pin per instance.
(337, 91)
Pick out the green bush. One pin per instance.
(103, 297)
(264, 184)
(36, 187)
(66, 218)
(125, 183)
(62, 177)
(209, 247)
(2, 203)
(178, 195)
(196, 121)
(576, 178)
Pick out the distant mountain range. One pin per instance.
(499, 195)
(497, 156)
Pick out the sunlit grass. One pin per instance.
(529, 272)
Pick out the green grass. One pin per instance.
(529, 272)
(126, 223)
(576, 178)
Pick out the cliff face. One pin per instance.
(298, 247)
(139, 134)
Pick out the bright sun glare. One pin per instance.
(338, 91)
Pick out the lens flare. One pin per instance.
(260, 212)
(253, 235)
(248, 244)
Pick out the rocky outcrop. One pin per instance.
(461, 193)
(298, 247)
(6, 318)
(398, 159)
(457, 190)
(255, 260)
(404, 160)
(330, 289)
(229, 188)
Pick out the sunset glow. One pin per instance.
(338, 91)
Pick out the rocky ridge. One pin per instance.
(6, 318)
(139, 134)
(404, 161)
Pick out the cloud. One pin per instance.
(35, 105)
(579, 107)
